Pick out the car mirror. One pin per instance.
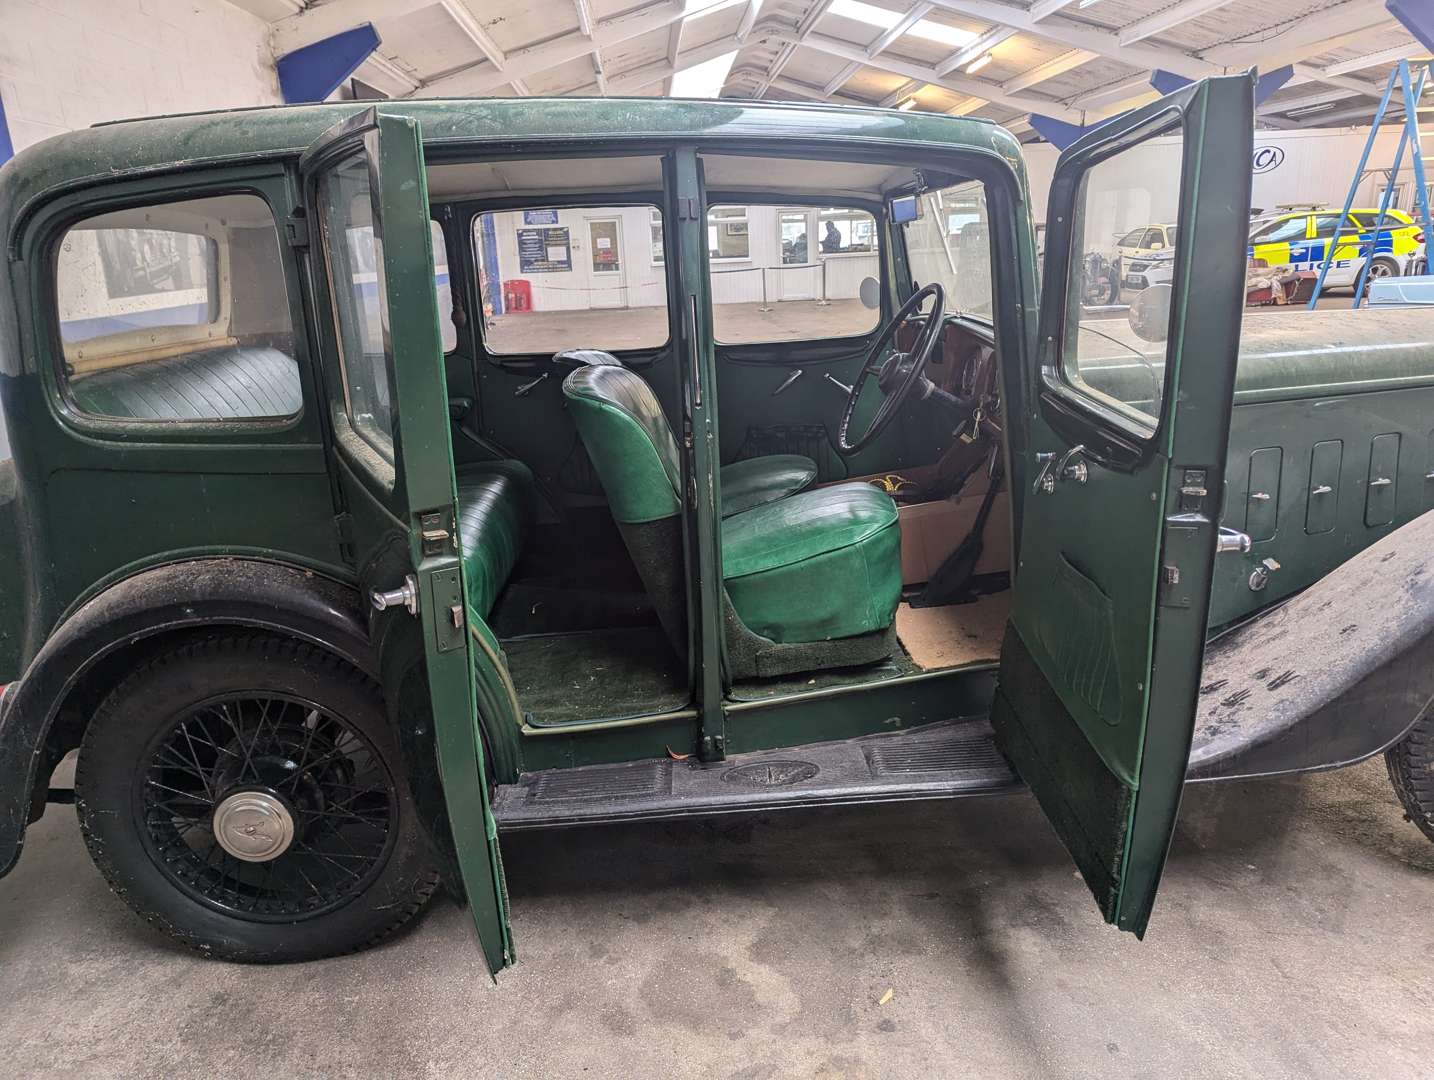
(1157, 246)
(870, 292)
(1149, 313)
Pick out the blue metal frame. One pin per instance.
(7, 147)
(1410, 92)
(316, 71)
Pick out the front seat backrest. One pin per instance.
(630, 444)
(629, 441)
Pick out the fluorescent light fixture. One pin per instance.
(1321, 107)
(703, 80)
(907, 105)
(978, 63)
(1086, 4)
(923, 28)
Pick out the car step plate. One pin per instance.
(936, 761)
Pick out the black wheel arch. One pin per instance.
(43, 715)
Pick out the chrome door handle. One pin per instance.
(1321, 489)
(1260, 496)
(406, 595)
(843, 387)
(1232, 540)
(1383, 481)
(528, 387)
(1068, 467)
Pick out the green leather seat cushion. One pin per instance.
(818, 565)
(232, 383)
(493, 500)
(759, 480)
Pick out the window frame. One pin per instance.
(44, 234)
(467, 214)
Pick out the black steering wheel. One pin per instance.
(900, 372)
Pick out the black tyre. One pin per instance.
(243, 793)
(1411, 770)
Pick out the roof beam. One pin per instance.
(1058, 65)
(991, 92)
(473, 31)
(978, 48)
(901, 93)
(1305, 102)
(1082, 36)
(1408, 51)
(748, 18)
(812, 93)
(585, 17)
(523, 63)
(793, 39)
(379, 70)
(899, 28)
(643, 77)
(1168, 19)
(316, 23)
(841, 78)
(1307, 36)
(1041, 8)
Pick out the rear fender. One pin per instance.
(1333, 676)
(197, 594)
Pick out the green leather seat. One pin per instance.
(746, 483)
(822, 564)
(215, 384)
(817, 566)
(493, 502)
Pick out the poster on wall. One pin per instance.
(544, 251)
(540, 217)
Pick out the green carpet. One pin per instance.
(596, 675)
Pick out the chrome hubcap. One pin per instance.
(253, 826)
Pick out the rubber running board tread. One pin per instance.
(937, 761)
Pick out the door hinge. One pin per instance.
(687, 209)
(433, 529)
(296, 229)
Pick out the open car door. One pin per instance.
(368, 199)
(1120, 479)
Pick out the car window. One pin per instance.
(1172, 234)
(790, 273)
(1325, 225)
(176, 312)
(1151, 238)
(1101, 357)
(950, 242)
(447, 329)
(1279, 232)
(555, 278)
(360, 299)
(1131, 239)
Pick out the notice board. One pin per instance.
(544, 251)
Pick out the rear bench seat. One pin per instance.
(248, 381)
(493, 504)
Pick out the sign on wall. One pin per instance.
(544, 251)
(540, 217)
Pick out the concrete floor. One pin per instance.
(1292, 939)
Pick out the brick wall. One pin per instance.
(67, 64)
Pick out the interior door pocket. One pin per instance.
(1077, 633)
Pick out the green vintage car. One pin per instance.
(386, 479)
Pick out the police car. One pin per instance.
(1299, 236)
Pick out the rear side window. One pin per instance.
(1281, 231)
(177, 312)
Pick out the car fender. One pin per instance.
(161, 600)
(1336, 674)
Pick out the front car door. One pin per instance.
(1124, 460)
(368, 197)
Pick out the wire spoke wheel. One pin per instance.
(265, 806)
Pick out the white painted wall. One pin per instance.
(67, 64)
(1316, 166)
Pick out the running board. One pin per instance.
(937, 761)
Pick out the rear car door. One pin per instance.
(368, 198)
(1125, 455)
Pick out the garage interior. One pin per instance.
(947, 940)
